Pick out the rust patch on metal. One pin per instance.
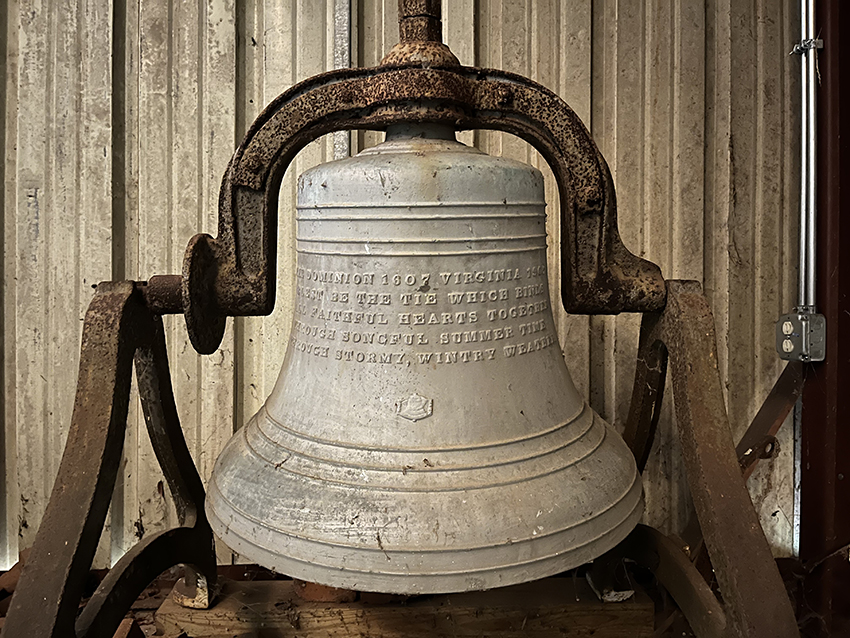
(420, 21)
(163, 294)
(422, 54)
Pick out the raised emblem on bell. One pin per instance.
(424, 434)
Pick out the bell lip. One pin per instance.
(416, 567)
(605, 512)
(487, 577)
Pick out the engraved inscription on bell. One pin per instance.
(415, 407)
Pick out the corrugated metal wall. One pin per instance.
(119, 118)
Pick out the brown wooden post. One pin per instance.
(825, 499)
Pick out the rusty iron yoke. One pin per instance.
(233, 274)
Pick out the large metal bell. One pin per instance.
(424, 435)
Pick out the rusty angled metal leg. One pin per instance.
(118, 326)
(651, 549)
(760, 436)
(192, 543)
(755, 601)
(648, 391)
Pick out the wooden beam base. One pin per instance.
(549, 607)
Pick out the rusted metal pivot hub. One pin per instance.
(420, 32)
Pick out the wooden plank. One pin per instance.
(550, 607)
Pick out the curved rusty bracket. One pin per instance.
(234, 273)
(119, 328)
(755, 601)
(653, 550)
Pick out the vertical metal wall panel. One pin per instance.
(752, 179)
(621, 115)
(561, 60)
(648, 119)
(8, 130)
(120, 117)
(139, 506)
(548, 41)
(34, 452)
(459, 34)
(285, 43)
(61, 141)
(215, 415)
(92, 225)
(126, 148)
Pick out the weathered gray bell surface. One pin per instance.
(424, 435)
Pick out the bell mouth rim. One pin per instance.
(495, 574)
(535, 537)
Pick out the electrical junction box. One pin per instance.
(801, 336)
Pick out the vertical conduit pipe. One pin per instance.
(803, 296)
(810, 69)
(801, 334)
